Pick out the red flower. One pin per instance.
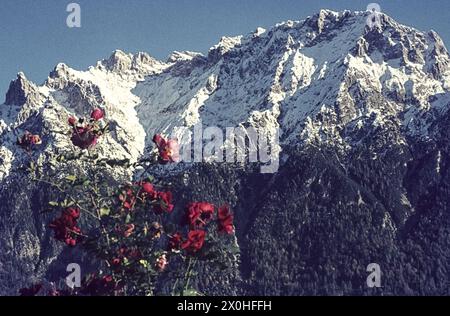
(28, 140)
(73, 212)
(149, 189)
(225, 220)
(124, 252)
(30, 291)
(164, 203)
(128, 230)
(84, 137)
(194, 241)
(97, 114)
(175, 241)
(127, 198)
(159, 140)
(72, 120)
(65, 226)
(169, 150)
(86, 134)
(161, 263)
(115, 261)
(199, 213)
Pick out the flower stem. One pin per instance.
(187, 277)
(56, 186)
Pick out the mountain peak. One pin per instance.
(177, 56)
(118, 61)
(127, 63)
(259, 31)
(18, 90)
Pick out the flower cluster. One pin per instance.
(124, 254)
(85, 133)
(65, 226)
(144, 192)
(134, 236)
(198, 216)
(28, 140)
(225, 219)
(168, 149)
(194, 241)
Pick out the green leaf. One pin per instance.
(128, 219)
(53, 203)
(71, 178)
(104, 211)
(144, 263)
(191, 292)
(64, 203)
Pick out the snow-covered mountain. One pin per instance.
(314, 79)
(374, 101)
(291, 75)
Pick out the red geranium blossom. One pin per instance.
(107, 278)
(124, 252)
(169, 150)
(65, 226)
(175, 241)
(199, 213)
(85, 133)
(73, 212)
(161, 263)
(128, 230)
(195, 240)
(148, 190)
(84, 137)
(97, 114)
(225, 219)
(28, 140)
(164, 203)
(116, 261)
(72, 120)
(127, 198)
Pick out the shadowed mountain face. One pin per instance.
(364, 164)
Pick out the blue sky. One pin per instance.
(34, 36)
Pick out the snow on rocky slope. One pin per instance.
(309, 78)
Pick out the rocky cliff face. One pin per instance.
(364, 175)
